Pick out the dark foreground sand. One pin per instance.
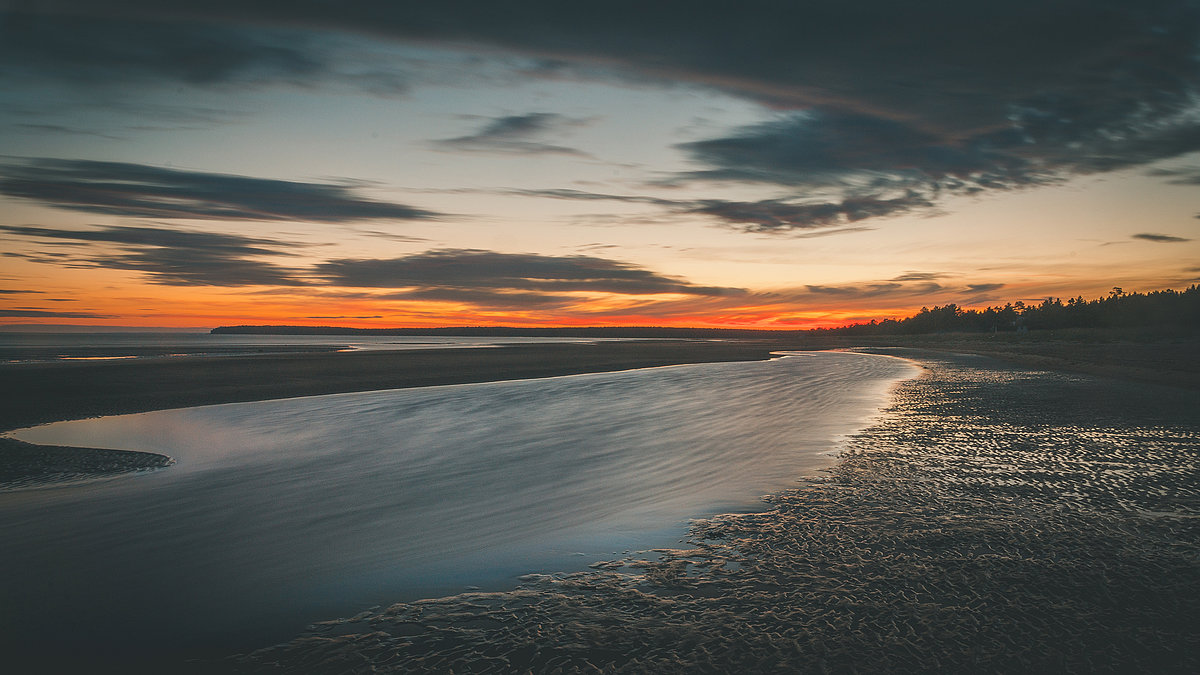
(994, 519)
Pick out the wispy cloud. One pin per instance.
(770, 216)
(515, 134)
(138, 190)
(66, 130)
(50, 314)
(766, 216)
(170, 256)
(1159, 238)
(918, 276)
(1188, 175)
(475, 270)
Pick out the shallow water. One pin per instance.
(279, 513)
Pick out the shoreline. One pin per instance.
(993, 519)
(46, 392)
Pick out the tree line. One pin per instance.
(1118, 309)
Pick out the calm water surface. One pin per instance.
(281, 513)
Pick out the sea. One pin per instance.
(277, 514)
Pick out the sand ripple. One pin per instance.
(24, 465)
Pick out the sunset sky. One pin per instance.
(752, 164)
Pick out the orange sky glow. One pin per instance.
(315, 171)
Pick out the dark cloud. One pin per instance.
(170, 257)
(898, 102)
(895, 166)
(977, 294)
(777, 216)
(763, 216)
(515, 134)
(1160, 238)
(40, 313)
(831, 147)
(462, 272)
(137, 190)
(957, 66)
(101, 50)
(10, 291)
(984, 288)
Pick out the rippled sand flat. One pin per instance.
(994, 519)
(24, 466)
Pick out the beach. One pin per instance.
(993, 518)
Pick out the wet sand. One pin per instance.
(1130, 354)
(25, 465)
(995, 518)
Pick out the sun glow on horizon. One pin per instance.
(400, 180)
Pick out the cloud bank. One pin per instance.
(493, 279)
(168, 256)
(505, 279)
(142, 191)
(884, 107)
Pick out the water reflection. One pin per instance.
(279, 513)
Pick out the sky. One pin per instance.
(756, 164)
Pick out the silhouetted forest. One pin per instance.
(1156, 309)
